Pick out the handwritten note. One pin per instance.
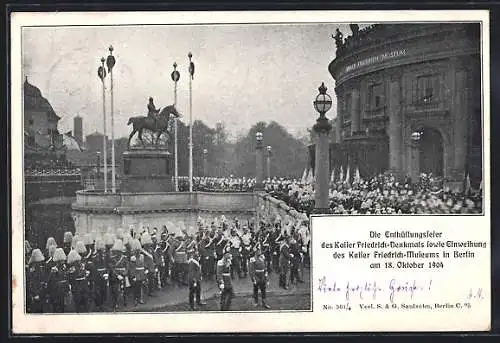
(419, 273)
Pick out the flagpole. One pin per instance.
(190, 124)
(104, 143)
(111, 61)
(175, 77)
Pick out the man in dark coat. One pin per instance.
(194, 280)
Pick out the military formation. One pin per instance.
(110, 271)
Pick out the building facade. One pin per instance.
(409, 101)
(40, 120)
(93, 142)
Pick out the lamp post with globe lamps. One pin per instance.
(175, 77)
(415, 138)
(322, 128)
(259, 163)
(269, 153)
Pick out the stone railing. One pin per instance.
(165, 202)
(269, 206)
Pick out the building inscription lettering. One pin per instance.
(375, 59)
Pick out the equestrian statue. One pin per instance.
(157, 122)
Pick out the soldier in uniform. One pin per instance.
(194, 280)
(276, 239)
(78, 280)
(119, 272)
(149, 262)
(235, 243)
(35, 279)
(295, 261)
(266, 247)
(162, 250)
(220, 243)
(180, 261)
(67, 241)
(57, 282)
(205, 254)
(137, 271)
(258, 275)
(224, 281)
(100, 278)
(246, 240)
(284, 263)
(50, 242)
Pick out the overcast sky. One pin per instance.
(244, 73)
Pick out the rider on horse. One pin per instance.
(152, 111)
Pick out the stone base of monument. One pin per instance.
(147, 169)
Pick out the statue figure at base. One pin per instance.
(339, 38)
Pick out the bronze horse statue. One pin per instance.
(158, 125)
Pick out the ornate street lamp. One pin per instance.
(110, 62)
(259, 163)
(322, 128)
(175, 77)
(101, 72)
(191, 73)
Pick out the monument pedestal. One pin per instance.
(146, 170)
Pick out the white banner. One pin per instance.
(406, 273)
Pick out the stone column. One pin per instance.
(322, 130)
(355, 115)
(459, 141)
(259, 166)
(395, 129)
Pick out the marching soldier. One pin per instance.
(284, 263)
(194, 280)
(119, 274)
(57, 283)
(101, 276)
(137, 271)
(259, 276)
(224, 281)
(35, 279)
(78, 280)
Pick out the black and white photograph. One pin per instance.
(174, 167)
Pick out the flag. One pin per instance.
(347, 174)
(304, 176)
(357, 177)
(310, 177)
(341, 174)
(467, 184)
(332, 177)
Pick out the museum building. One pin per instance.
(409, 101)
